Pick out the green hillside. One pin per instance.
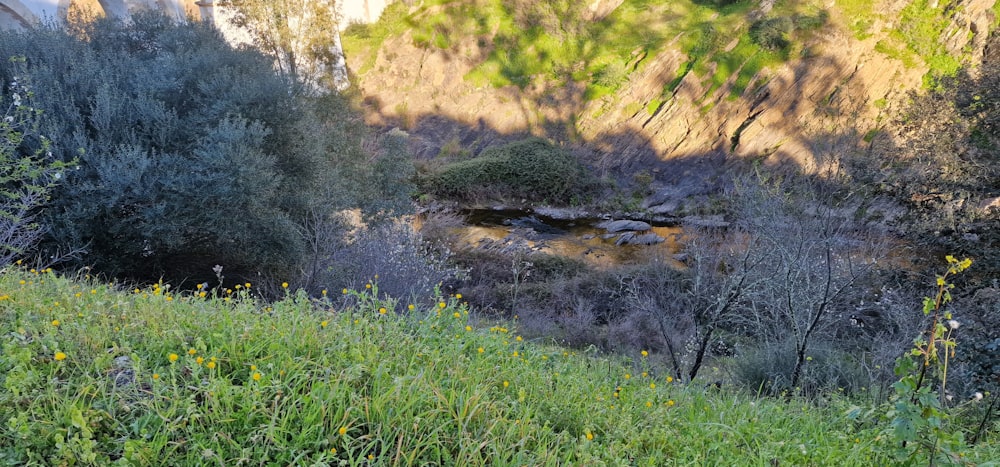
(94, 374)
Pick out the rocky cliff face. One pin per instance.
(833, 93)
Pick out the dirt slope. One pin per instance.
(831, 95)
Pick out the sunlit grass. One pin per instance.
(94, 374)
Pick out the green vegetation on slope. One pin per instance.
(526, 42)
(95, 375)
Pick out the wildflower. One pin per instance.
(382, 311)
(201, 294)
(210, 365)
(137, 291)
(368, 286)
(256, 376)
(670, 379)
(649, 403)
(516, 354)
(333, 450)
(670, 403)
(644, 353)
(4, 297)
(645, 374)
(457, 315)
(253, 367)
(344, 291)
(410, 307)
(468, 328)
(247, 285)
(978, 396)
(156, 376)
(371, 457)
(652, 385)
(169, 298)
(199, 360)
(172, 357)
(481, 350)
(628, 376)
(192, 351)
(518, 338)
(284, 285)
(505, 384)
(323, 324)
(953, 324)
(59, 356)
(342, 430)
(56, 322)
(22, 282)
(590, 436)
(323, 292)
(93, 291)
(442, 304)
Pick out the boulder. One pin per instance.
(632, 238)
(623, 225)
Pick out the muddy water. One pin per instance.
(578, 238)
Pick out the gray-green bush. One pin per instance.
(189, 153)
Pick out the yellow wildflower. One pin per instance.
(645, 354)
(342, 430)
(172, 357)
(256, 376)
(59, 356)
(56, 322)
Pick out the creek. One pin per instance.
(580, 239)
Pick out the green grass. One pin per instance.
(318, 382)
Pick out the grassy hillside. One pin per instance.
(94, 374)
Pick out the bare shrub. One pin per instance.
(391, 253)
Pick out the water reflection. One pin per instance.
(577, 239)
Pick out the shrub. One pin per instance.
(772, 33)
(189, 153)
(532, 169)
(27, 173)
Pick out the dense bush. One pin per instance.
(772, 33)
(189, 153)
(532, 169)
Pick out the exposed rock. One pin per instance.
(623, 225)
(562, 213)
(632, 238)
(599, 9)
(669, 207)
(989, 204)
(706, 221)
